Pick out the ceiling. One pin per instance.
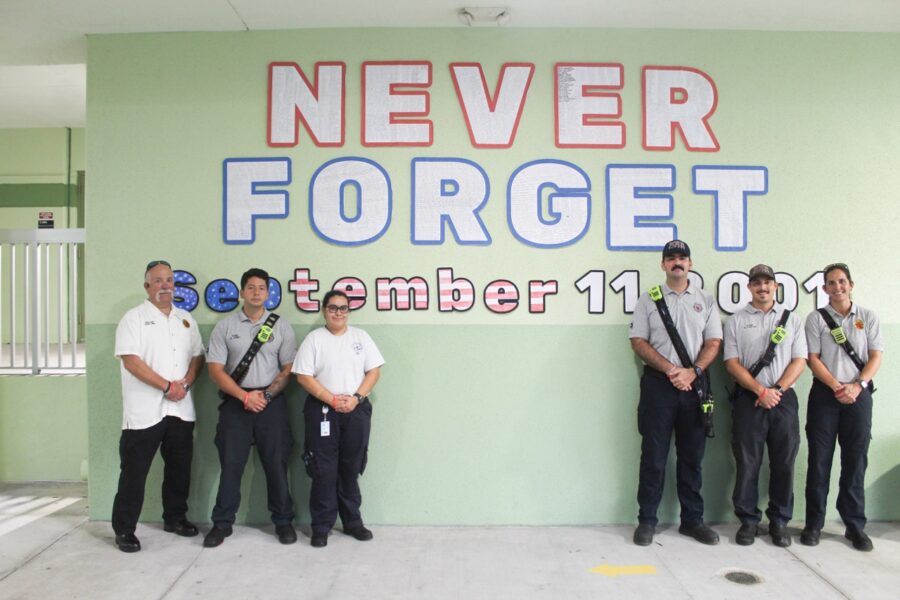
(43, 44)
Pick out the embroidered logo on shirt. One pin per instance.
(149, 322)
(234, 336)
(859, 324)
(357, 347)
(698, 307)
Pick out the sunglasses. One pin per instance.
(156, 263)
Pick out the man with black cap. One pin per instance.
(765, 352)
(669, 400)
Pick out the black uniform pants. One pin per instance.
(662, 410)
(237, 430)
(337, 461)
(828, 421)
(777, 429)
(137, 447)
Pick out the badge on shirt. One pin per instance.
(186, 324)
(859, 324)
(325, 429)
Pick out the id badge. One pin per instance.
(325, 428)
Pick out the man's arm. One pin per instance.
(281, 380)
(135, 365)
(650, 356)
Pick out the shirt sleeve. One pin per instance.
(218, 350)
(196, 340)
(288, 350)
(873, 333)
(730, 347)
(713, 328)
(305, 361)
(640, 321)
(798, 347)
(128, 335)
(373, 355)
(813, 331)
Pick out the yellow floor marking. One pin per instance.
(616, 570)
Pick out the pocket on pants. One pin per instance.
(310, 463)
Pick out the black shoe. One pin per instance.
(360, 533)
(319, 539)
(810, 537)
(183, 528)
(216, 536)
(778, 533)
(700, 532)
(860, 540)
(286, 533)
(643, 535)
(128, 542)
(746, 535)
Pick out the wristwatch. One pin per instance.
(360, 399)
(864, 384)
(268, 396)
(187, 387)
(779, 389)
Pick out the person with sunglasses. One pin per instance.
(840, 406)
(338, 366)
(250, 356)
(161, 354)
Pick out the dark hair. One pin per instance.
(837, 266)
(331, 294)
(254, 273)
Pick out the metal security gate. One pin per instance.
(39, 311)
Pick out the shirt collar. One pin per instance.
(243, 316)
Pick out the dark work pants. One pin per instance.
(337, 462)
(777, 429)
(827, 421)
(662, 410)
(137, 447)
(237, 430)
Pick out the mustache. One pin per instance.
(678, 267)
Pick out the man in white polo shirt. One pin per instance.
(161, 354)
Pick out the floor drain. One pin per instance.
(743, 577)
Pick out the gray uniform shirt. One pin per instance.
(862, 329)
(696, 318)
(747, 334)
(233, 335)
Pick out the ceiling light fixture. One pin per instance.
(484, 16)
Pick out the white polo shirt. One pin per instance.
(167, 345)
(338, 362)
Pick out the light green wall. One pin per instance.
(43, 428)
(483, 418)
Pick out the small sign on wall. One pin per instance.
(45, 220)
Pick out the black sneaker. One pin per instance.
(810, 537)
(286, 533)
(643, 535)
(700, 532)
(859, 538)
(216, 536)
(778, 533)
(746, 535)
(184, 528)
(360, 533)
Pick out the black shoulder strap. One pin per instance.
(840, 338)
(265, 332)
(776, 338)
(657, 296)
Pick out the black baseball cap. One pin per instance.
(676, 247)
(762, 272)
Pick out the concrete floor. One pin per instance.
(49, 550)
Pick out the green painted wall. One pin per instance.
(43, 428)
(481, 418)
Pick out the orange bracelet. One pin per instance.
(246, 397)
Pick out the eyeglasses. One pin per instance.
(156, 263)
(842, 266)
(334, 309)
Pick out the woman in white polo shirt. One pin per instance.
(338, 366)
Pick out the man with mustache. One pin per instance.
(161, 354)
(669, 401)
(764, 407)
